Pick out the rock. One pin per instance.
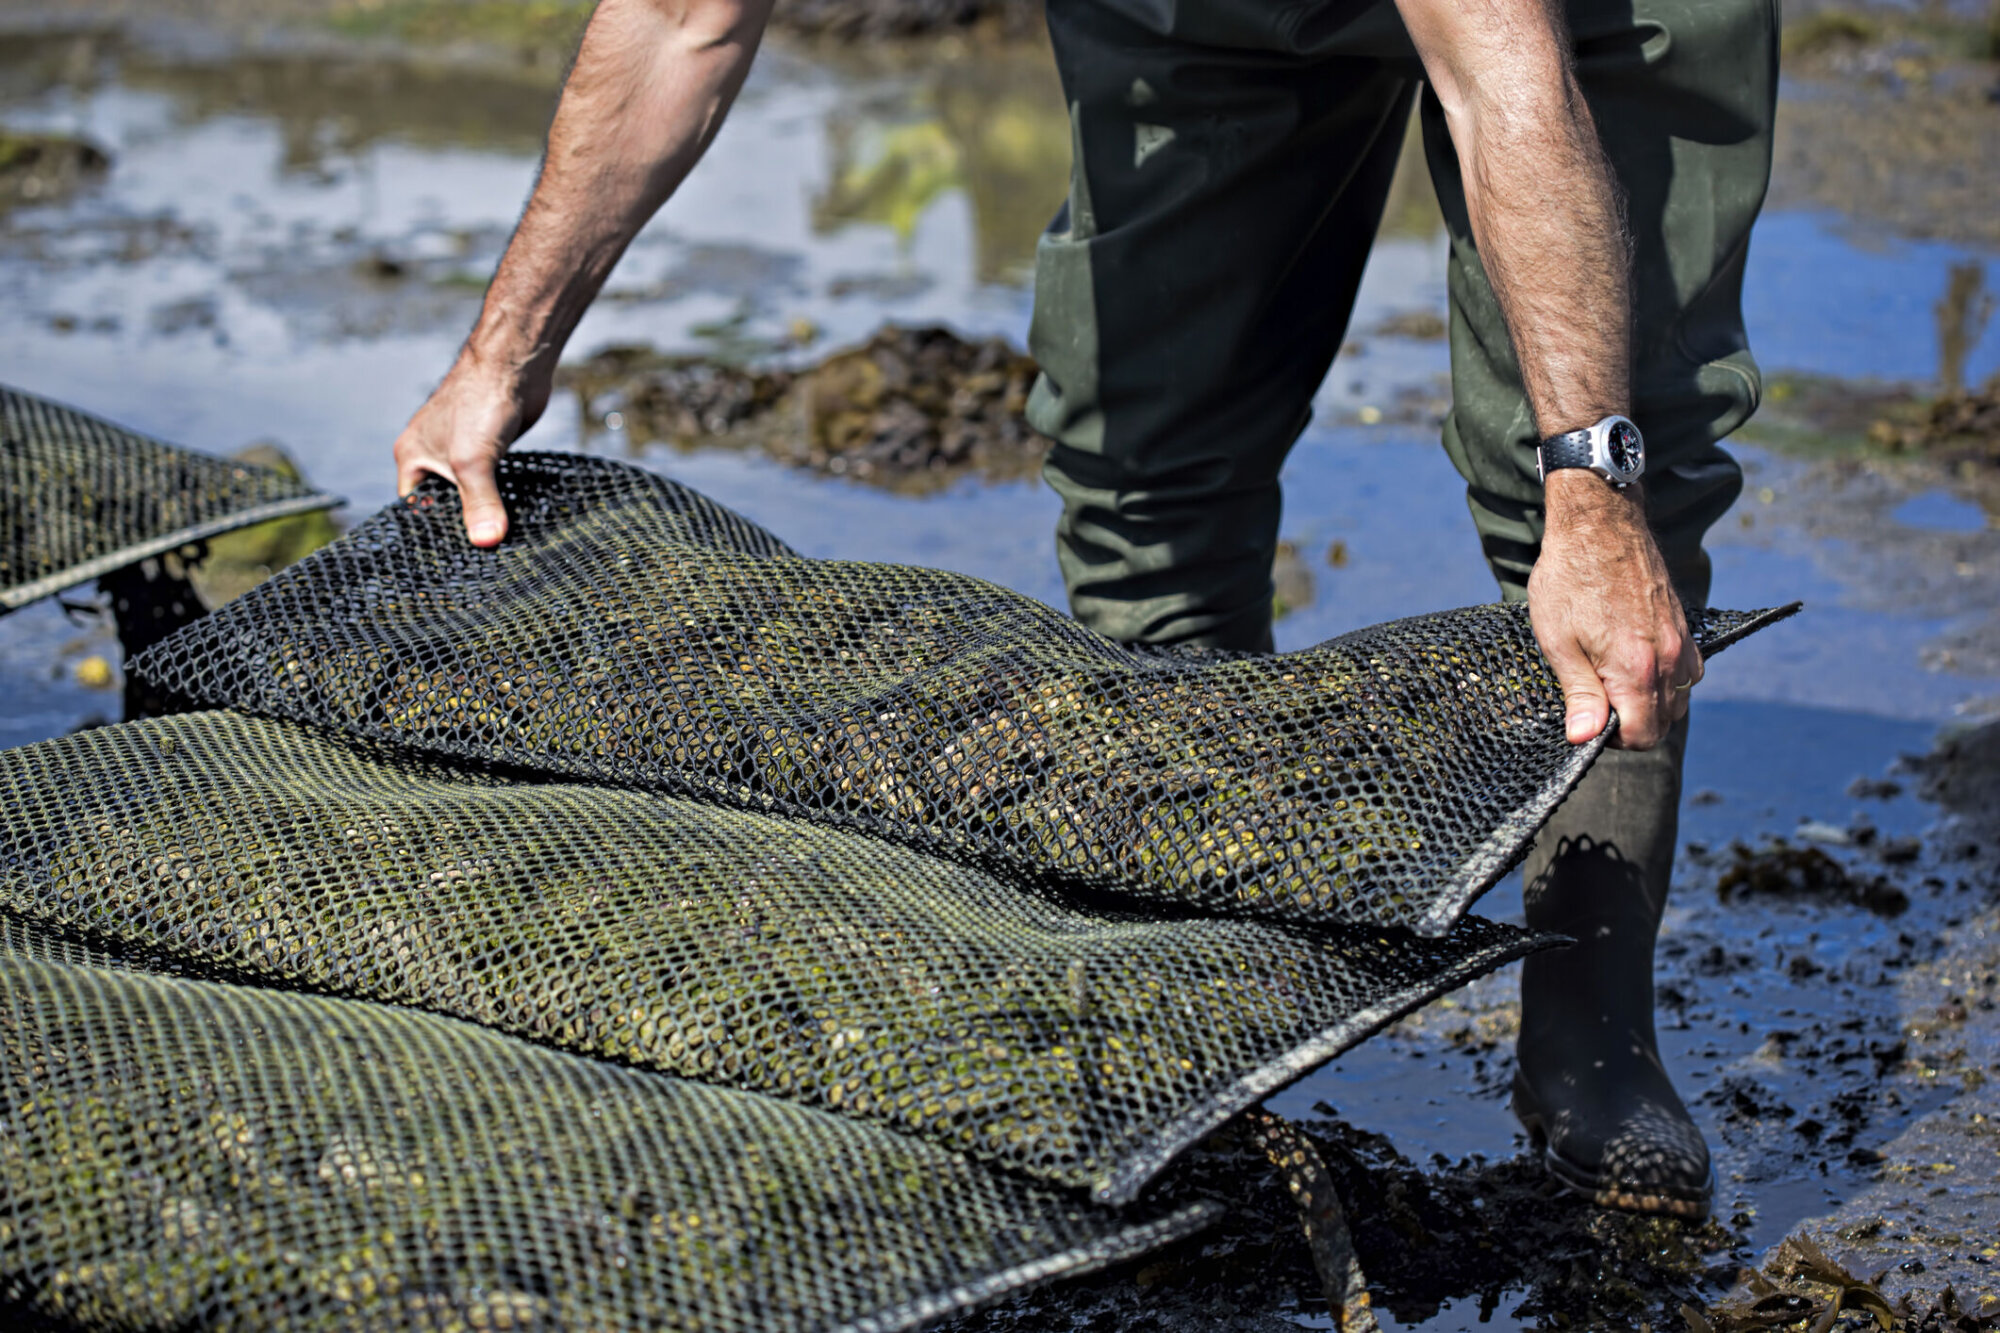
(42, 168)
(1815, 830)
(238, 561)
(910, 409)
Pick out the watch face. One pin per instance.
(1626, 448)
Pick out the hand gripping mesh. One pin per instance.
(630, 632)
(1074, 1044)
(80, 497)
(180, 1154)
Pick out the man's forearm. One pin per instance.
(651, 85)
(1546, 212)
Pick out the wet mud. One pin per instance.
(1895, 483)
(1921, 1235)
(911, 410)
(1803, 1286)
(1949, 425)
(1889, 117)
(541, 32)
(1491, 1236)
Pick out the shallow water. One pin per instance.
(290, 246)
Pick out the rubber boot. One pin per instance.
(1588, 1083)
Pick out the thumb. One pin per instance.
(1586, 708)
(485, 515)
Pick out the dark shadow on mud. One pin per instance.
(1495, 1234)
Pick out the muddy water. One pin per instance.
(291, 239)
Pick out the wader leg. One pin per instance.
(1683, 92)
(1187, 306)
(1588, 1082)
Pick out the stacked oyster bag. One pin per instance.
(641, 924)
(81, 498)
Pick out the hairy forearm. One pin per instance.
(1545, 215)
(1544, 206)
(1547, 218)
(651, 85)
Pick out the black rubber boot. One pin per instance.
(1588, 1084)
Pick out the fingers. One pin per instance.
(414, 462)
(1586, 709)
(1653, 693)
(1631, 678)
(1607, 619)
(459, 435)
(1686, 674)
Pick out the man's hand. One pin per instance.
(1606, 615)
(461, 431)
(651, 85)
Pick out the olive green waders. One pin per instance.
(1232, 158)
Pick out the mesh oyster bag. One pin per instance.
(1070, 1042)
(179, 1153)
(631, 632)
(80, 497)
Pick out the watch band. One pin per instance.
(1613, 448)
(1569, 449)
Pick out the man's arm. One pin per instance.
(1547, 217)
(651, 85)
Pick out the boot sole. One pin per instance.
(1653, 1200)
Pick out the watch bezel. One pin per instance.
(1604, 464)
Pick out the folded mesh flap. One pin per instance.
(631, 633)
(80, 497)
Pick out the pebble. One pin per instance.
(1813, 830)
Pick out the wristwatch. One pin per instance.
(1613, 449)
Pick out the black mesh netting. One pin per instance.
(634, 633)
(80, 497)
(548, 980)
(182, 1154)
(1073, 1044)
